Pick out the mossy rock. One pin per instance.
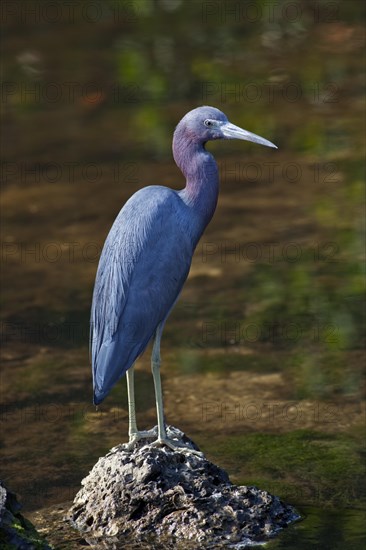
(16, 532)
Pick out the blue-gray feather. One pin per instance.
(140, 275)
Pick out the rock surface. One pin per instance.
(177, 497)
(16, 532)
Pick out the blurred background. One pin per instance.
(262, 356)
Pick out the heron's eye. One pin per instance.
(208, 122)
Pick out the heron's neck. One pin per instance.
(202, 178)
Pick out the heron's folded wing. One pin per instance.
(143, 266)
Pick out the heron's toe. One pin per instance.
(175, 446)
(137, 436)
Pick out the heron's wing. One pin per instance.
(144, 263)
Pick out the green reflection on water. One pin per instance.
(302, 466)
(325, 529)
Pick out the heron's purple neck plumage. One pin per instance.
(200, 170)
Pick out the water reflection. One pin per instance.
(271, 317)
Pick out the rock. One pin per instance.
(16, 532)
(154, 493)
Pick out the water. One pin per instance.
(262, 354)
(325, 529)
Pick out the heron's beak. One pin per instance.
(230, 131)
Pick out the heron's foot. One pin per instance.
(175, 445)
(137, 436)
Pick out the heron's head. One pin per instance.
(208, 123)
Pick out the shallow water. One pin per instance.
(263, 352)
(320, 528)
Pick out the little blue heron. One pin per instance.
(146, 259)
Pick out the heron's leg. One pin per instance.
(162, 439)
(132, 426)
(155, 367)
(133, 433)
